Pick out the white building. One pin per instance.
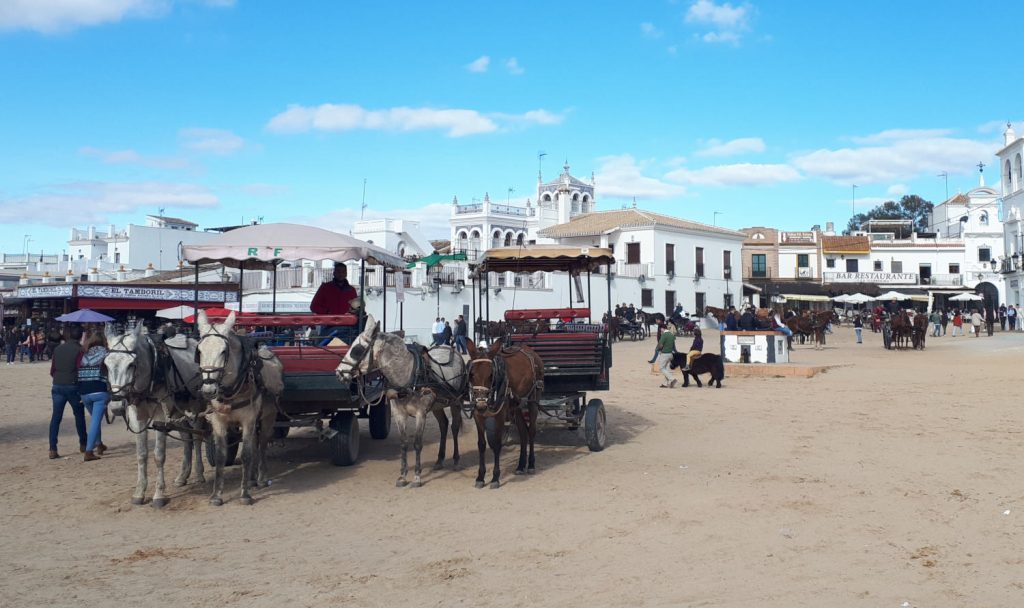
(134, 247)
(1012, 180)
(401, 237)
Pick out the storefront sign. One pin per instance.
(11, 311)
(125, 292)
(870, 277)
(45, 291)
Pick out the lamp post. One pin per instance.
(28, 239)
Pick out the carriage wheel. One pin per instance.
(345, 444)
(380, 420)
(234, 438)
(594, 421)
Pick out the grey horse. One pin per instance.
(419, 381)
(156, 383)
(242, 384)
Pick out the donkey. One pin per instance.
(157, 383)
(242, 383)
(503, 383)
(419, 381)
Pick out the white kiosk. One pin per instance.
(754, 347)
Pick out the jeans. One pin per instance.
(937, 331)
(11, 351)
(655, 357)
(63, 394)
(96, 403)
(858, 331)
(460, 344)
(785, 331)
(664, 359)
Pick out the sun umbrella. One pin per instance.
(175, 312)
(859, 298)
(212, 312)
(966, 297)
(84, 316)
(842, 299)
(893, 295)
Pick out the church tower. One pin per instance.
(566, 195)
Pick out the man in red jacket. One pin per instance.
(334, 297)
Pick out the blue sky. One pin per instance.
(222, 111)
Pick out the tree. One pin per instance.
(910, 207)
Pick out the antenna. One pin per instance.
(944, 175)
(540, 162)
(363, 211)
(508, 198)
(853, 201)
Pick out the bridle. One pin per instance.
(214, 374)
(490, 400)
(127, 390)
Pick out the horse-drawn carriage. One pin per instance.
(575, 351)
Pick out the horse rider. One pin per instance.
(696, 348)
(747, 321)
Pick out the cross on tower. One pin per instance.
(981, 167)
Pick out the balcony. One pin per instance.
(944, 280)
(512, 210)
(635, 270)
(474, 208)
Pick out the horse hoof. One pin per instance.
(216, 502)
(479, 484)
(179, 482)
(495, 485)
(416, 484)
(200, 479)
(531, 471)
(401, 483)
(246, 500)
(138, 500)
(159, 503)
(438, 467)
(520, 472)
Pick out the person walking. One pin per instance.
(666, 347)
(1011, 316)
(92, 386)
(958, 323)
(64, 370)
(976, 321)
(945, 320)
(936, 321)
(446, 334)
(990, 320)
(858, 328)
(1002, 317)
(461, 333)
(435, 331)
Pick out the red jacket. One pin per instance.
(333, 299)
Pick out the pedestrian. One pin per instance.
(1011, 316)
(666, 347)
(92, 386)
(461, 333)
(976, 321)
(436, 330)
(958, 323)
(945, 320)
(858, 328)
(1002, 317)
(64, 370)
(446, 334)
(990, 320)
(936, 321)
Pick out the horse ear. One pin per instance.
(494, 347)
(202, 321)
(230, 321)
(138, 329)
(371, 327)
(471, 348)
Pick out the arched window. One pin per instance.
(546, 198)
(575, 203)
(983, 218)
(1009, 177)
(508, 239)
(475, 235)
(496, 239)
(519, 239)
(587, 204)
(1016, 162)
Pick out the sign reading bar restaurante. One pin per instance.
(870, 277)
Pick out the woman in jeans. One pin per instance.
(92, 386)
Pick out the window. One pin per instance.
(670, 302)
(727, 264)
(851, 266)
(983, 218)
(646, 298)
(670, 258)
(984, 254)
(954, 269)
(896, 266)
(699, 271)
(878, 265)
(519, 239)
(830, 262)
(699, 302)
(803, 260)
(759, 265)
(632, 253)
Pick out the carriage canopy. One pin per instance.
(535, 258)
(262, 246)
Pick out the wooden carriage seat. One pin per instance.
(527, 314)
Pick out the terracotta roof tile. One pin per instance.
(845, 244)
(598, 222)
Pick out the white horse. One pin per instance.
(157, 383)
(420, 381)
(242, 383)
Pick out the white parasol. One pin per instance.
(893, 295)
(966, 297)
(859, 298)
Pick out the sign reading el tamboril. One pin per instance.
(125, 292)
(870, 277)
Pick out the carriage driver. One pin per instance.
(336, 297)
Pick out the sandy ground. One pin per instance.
(894, 479)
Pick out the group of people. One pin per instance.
(24, 342)
(666, 350)
(79, 380)
(443, 334)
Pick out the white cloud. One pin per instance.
(725, 15)
(672, 50)
(743, 145)
(349, 117)
(92, 202)
(480, 64)
(131, 157)
(433, 219)
(211, 141)
(513, 67)
(740, 174)
(622, 176)
(650, 31)
(727, 22)
(57, 16)
(890, 135)
(898, 189)
(998, 126)
(902, 159)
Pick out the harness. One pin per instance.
(423, 375)
(249, 368)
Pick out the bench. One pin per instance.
(527, 314)
(566, 353)
(310, 359)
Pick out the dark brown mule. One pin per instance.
(920, 330)
(505, 383)
(902, 329)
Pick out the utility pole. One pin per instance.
(853, 202)
(540, 160)
(362, 212)
(944, 175)
(714, 220)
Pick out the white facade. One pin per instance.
(1012, 182)
(401, 237)
(134, 247)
